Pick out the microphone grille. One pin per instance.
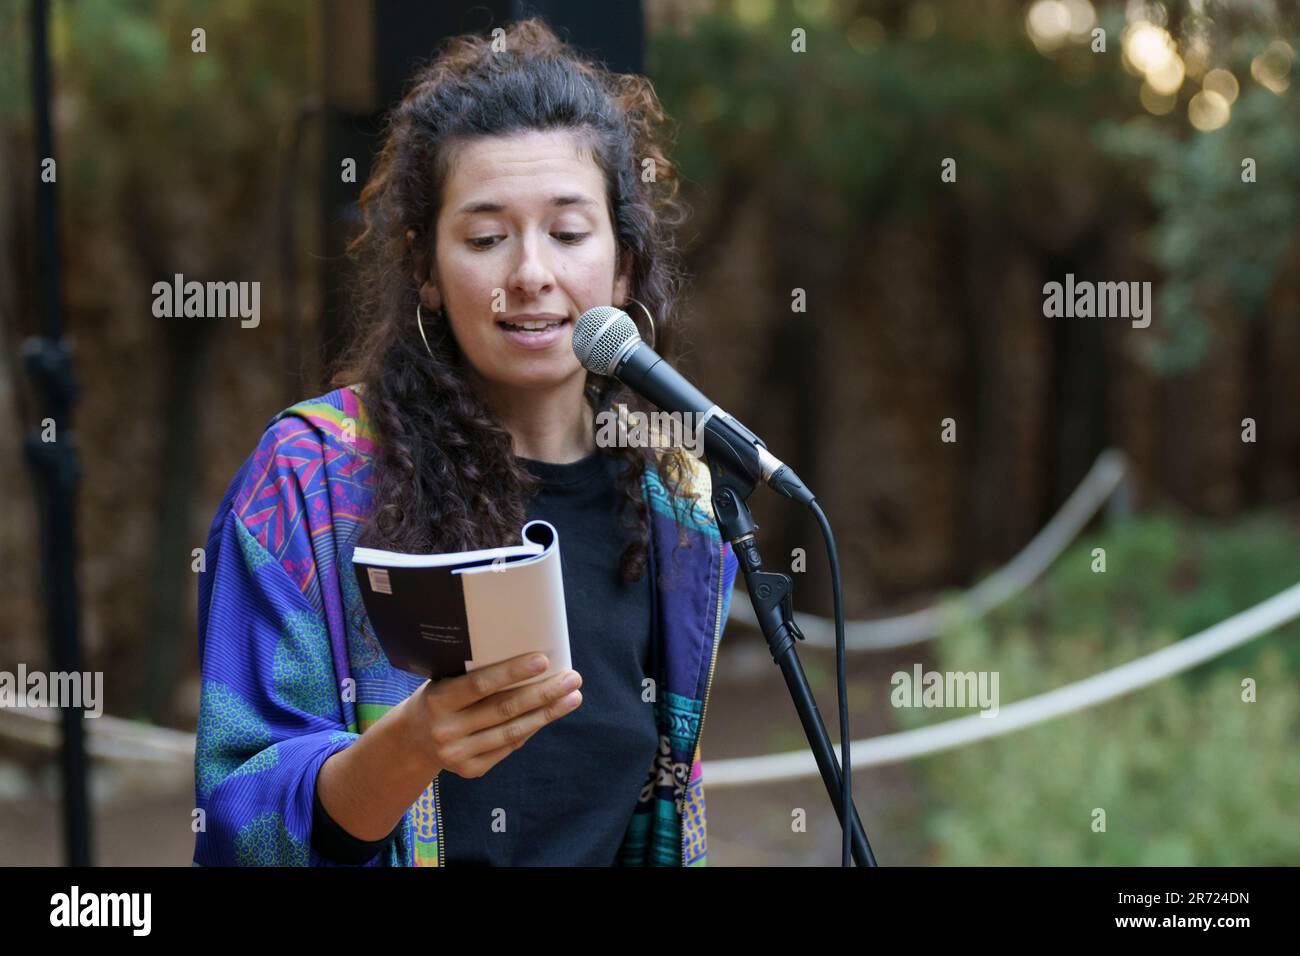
(601, 335)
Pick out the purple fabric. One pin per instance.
(292, 672)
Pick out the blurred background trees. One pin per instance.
(816, 177)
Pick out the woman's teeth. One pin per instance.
(533, 326)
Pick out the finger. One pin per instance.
(507, 705)
(514, 732)
(481, 764)
(458, 693)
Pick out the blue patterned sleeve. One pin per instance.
(730, 565)
(270, 711)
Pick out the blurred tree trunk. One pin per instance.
(187, 344)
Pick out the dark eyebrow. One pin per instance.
(488, 206)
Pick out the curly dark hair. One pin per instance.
(445, 475)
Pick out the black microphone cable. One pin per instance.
(604, 339)
(846, 791)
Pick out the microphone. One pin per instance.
(606, 341)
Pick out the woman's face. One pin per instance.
(523, 235)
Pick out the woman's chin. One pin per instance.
(538, 375)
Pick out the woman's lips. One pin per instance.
(536, 340)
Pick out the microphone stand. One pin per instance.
(56, 470)
(770, 594)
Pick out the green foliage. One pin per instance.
(1164, 574)
(866, 123)
(15, 61)
(156, 139)
(1220, 242)
(853, 131)
(1186, 772)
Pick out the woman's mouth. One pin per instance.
(535, 334)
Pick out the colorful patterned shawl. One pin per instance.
(292, 672)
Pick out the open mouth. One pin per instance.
(534, 328)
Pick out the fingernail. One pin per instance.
(571, 682)
(572, 699)
(537, 664)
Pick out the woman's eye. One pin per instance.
(486, 242)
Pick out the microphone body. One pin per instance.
(606, 342)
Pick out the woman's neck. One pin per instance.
(552, 425)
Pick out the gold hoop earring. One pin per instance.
(650, 318)
(420, 322)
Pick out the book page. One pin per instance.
(396, 559)
(517, 608)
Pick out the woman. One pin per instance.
(511, 195)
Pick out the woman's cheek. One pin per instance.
(480, 288)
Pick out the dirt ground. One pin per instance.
(143, 817)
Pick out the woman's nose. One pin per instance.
(532, 268)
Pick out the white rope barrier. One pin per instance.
(114, 738)
(111, 738)
(1026, 567)
(909, 744)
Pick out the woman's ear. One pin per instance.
(430, 297)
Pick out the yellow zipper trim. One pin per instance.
(708, 686)
(442, 830)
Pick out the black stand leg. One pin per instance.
(769, 592)
(56, 471)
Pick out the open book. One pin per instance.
(443, 615)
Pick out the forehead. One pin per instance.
(521, 169)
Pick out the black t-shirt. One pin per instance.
(566, 796)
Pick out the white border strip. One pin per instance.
(908, 744)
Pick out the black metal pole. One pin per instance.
(770, 594)
(54, 462)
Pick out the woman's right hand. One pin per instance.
(468, 724)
